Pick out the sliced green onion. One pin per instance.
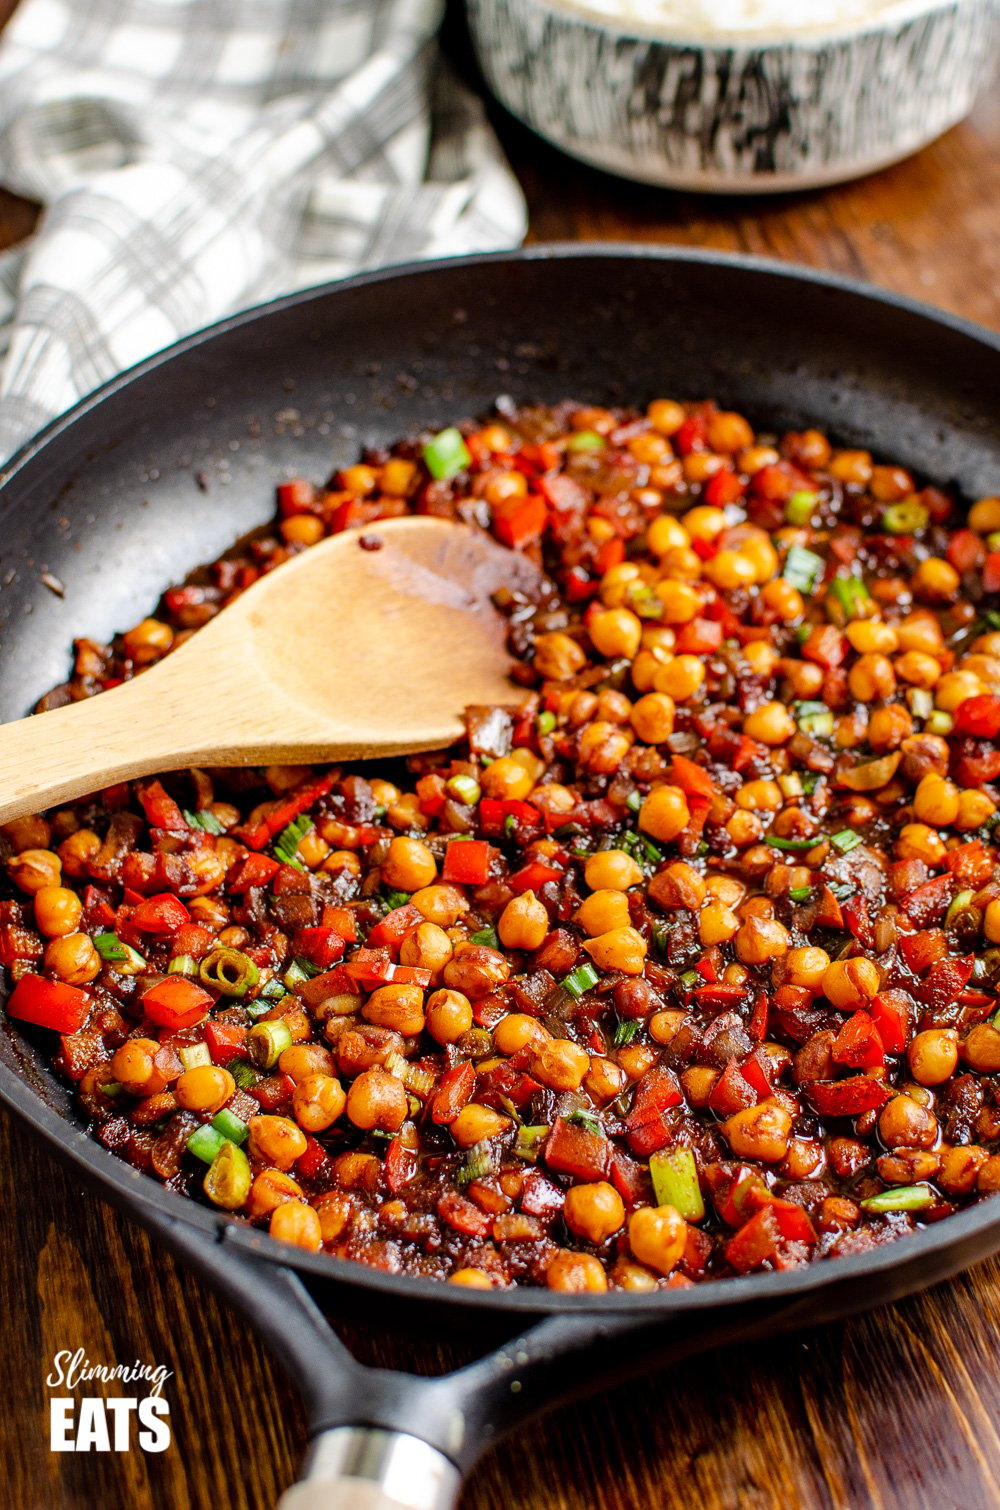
(110, 947)
(298, 971)
(810, 781)
(193, 1054)
(958, 904)
(529, 1140)
(803, 569)
(446, 454)
(790, 844)
(800, 893)
(800, 507)
(271, 991)
(481, 1161)
(380, 812)
(940, 722)
(921, 702)
(545, 722)
(487, 937)
(845, 840)
(205, 1142)
(579, 980)
(791, 785)
(625, 1032)
(183, 964)
(689, 979)
(394, 899)
(230, 971)
(852, 597)
(589, 1121)
(228, 1181)
(510, 825)
(817, 725)
(675, 1182)
(243, 1073)
(634, 802)
(289, 840)
(204, 819)
(231, 1126)
(586, 440)
(267, 1041)
(905, 518)
(464, 788)
(903, 1198)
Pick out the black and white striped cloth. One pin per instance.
(195, 157)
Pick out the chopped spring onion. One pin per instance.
(940, 722)
(230, 971)
(958, 904)
(243, 1073)
(790, 786)
(300, 970)
(267, 1041)
(289, 840)
(111, 1088)
(803, 569)
(689, 979)
(263, 1004)
(205, 1142)
(625, 1032)
(204, 819)
(800, 893)
(481, 1161)
(464, 789)
(586, 440)
(800, 507)
(921, 702)
(852, 597)
(810, 781)
(634, 802)
(510, 825)
(446, 454)
(182, 964)
(529, 1140)
(845, 840)
(545, 722)
(487, 937)
(777, 843)
(418, 1080)
(675, 1182)
(126, 959)
(394, 899)
(903, 1198)
(817, 725)
(273, 990)
(231, 1126)
(579, 980)
(193, 1054)
(905, 518)
(589, 1121)
(228, 1181)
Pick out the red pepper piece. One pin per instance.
(467, 862)
(970, 864)
(315, 1163)
(858, 1043)
(399, 1165)
(255, 870)
(226, 1040)
(692, 435)
(192, 939)
(756, 1243)
(539, 456)
(374, 967)
(573, 1149)
(699, 637)
(965, 551)
(342, 921)
(929, 902)
(540, 1197)
(706, 969)
(944, 983)
(757, 1021)
(991, 572)
(392, 930)
(296, 497)
(533, 876)
(719, 996)
(273, 1092)
(259, 834)
(48, 1004)
(461, 1214)
(921, 950)
(691, 778)
(454, 1091)
(979, 716)
(160, 915)
(732, 1092)
(176, 1003)
(890, 1012)
(610, 554)
(518, 521)
(648, 1127)
(847, 1098)
(793, 1223)
(757, 1070)
(321, 946)
(725, 487)
(160, 808)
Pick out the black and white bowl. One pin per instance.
(740, 111)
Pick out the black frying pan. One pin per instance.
(165, 467)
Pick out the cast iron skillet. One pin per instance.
(165, 467)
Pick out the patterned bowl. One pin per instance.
(747, 113)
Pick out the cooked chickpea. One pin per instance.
(474, 1123)
(973, 810)
(271, 1189)
(915, 841)
(760, 1132)
(34, 868)
(398, 1007)
(377, 1099)
(476, 970)
(870, 637)
(558, 657)
(517, 1029)
(206, 1088)
(981, 1049)
(806, 967)
(903, 1123)
(771, 724)
(611, 870)
(427, 947)
(594, 1212)
(871, 679)
(717, 924)
(761, 939)
(658, 1237)
(508, 780)
(295, 1222)
(524, 922)
(681, 602)
(666, 534)
(959, 1168)
(78, 852)
(620, 949)
(730, 569)
(935, 580)
(615, 632)
(448, 1016)
(560, 1064)
(664, 813)
(304, 1059)
(933, 1056)
(955, 688)
(576, 1273)
(133, 1065)
(318, 1101)
(72, 958)
(652, 718)
(471, 1279)
(851, 983)
(602, 912)
(57, 910)
(680, 678)
(604, 1080)
(409, 865)
(276, 1140)
(888, 727)
(760, 796)
(441, 904)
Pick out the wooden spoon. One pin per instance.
(367, 644)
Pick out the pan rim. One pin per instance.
(156, 1206)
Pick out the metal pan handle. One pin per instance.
(363, 1468)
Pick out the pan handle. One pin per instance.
(365, 1468)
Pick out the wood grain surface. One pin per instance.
(896, 1410)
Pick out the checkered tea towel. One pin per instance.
(195, 157)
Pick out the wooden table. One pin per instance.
(897, 1410)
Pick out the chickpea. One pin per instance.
(936, 801)
(271, 1189)
(698, 1082)
(760, 796)
(666, 534)
(915, 841)
(725, 889)
(558, 657)
(78, 852)
(398, 1007)
(427, 947)
(935, 580)
(620, 949)
(771, 724)
(664, 813)
(652, 718)
(576, 1273)
(318, 1101)
(730, 569)
(148, 641)
(206, 1088)
(717, 924)
(611, 870)
(903, 1123)
(681, 602)
(31, 832)
(933, 1056)
(133, 1065)
(474, 1123)
(57, 910)
(296, 1223)
(981, 1049)
(476, 970)
(602, 912)
(870, 637)
(871, 679)
(888, 727)
(448, 1016)
(851, 983)
(508, 780)
(959, 1168)
(760, 1132)
(665, 1025)
(34, 868)
(955, 688)
(806, 967)
(918, 669)
(603, 747)
(704, 522)
(973, 810)
(761, 939)
(409, 865)
(988, 1178)
(304, 1059)
(276, 1140)
(658, 1237)
(984, 516)
(681, 564)
(472, 1279)
(517, 1029)
(679, 678)
(729, 432)
(851, 466)
(615, 632)
(594, 1212)
(604, 1080)
(560, 1064)
(665, 416)
(377, 1099)
(762, 658)
(441, 904)
(73, 959)
(524, 922)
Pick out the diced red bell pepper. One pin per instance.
(774, 482)
(518, 521)
(374, 967)
(736, 1194)
(460, 1213)
(929, 902)
(321, 946)
(793, 1223)
(826, 646)
(573, 1149)
(467, 862)
(719, 996)
(160, 915)
(699, 637)
(691, 778)
(692, 435)
(991, 572)
(922, 950)
(648, 1126)
(539, 456)
(273, 1092)
(973, 765)
(540, 1197)
(858, 921)
(296, 497)
(979, 716)
(944, 982)
(965, 551)
(631, 1179)
(192, 939)
(258, 834)
(756, 1243)
(533, 876)
(160, 808)
(494, 813)
(706, 968)
(609, 554)
(858, 1043)
(315, 1163)
(433, 793)
(399, 1165)
(255, 870)
(226, 1041)
(343, 922)
(48, 1004)
(176, 1003)
(847, 1098)
(503, 1080)
(757, 1021)
(454, 1091)
(890, 1012)
(970, 864)
(578, 586)
(732, 1093)
(392, 930)
(757, 1070)
(722, 488)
